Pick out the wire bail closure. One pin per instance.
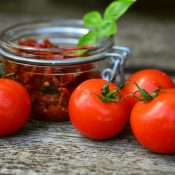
(115, 72)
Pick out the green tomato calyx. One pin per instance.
(145, 95)
(110, 96)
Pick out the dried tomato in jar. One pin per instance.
(49, 86)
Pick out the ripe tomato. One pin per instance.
(15, 106)
(92, 117)
(153, 122)
(148, 79)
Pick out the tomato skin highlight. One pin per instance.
(153, 123)
(148, 79)
(15, 106)
(92, 117)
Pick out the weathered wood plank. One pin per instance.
(50, 148)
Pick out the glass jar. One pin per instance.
(51, 74)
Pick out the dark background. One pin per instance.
(58, 6)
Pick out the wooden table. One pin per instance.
(57, 148)
(53, 148)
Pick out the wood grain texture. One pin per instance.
(52, 148)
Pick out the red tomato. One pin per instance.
(153, 122)
(92, 117)
(148, 79)
(15, 106)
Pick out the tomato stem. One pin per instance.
(108, 96)
(105, 89)
(145, 95)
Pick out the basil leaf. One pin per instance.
(88, 39)
(116, 9)
(92, 19)
(104, 27)
(108, 28)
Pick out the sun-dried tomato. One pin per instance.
(49, 86)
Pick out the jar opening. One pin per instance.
(62, 33)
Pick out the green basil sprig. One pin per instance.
(104, 26)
